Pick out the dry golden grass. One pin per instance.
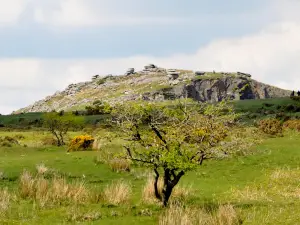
(118, 192)
(178, 215)
(55, 191)
(5, 201)
(280, 184)
(74, 215)
(226, 215)
(26, 185)
(148, 194)
(41, 169)
(119, 165)
(179, 193)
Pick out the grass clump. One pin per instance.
(179, 215)
(49, 141)
(118, 192)
(5, 201)
(119, 165)
(56, 191)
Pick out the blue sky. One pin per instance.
(47, 44)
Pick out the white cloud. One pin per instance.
(271, 56)
(11, 10)
(80, 13)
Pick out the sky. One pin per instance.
(47, 44)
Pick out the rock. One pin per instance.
(129, 71)
(243, 74)
(199, 73)
(95, 77)
(171, 71)
(150, 66)
(174, 82)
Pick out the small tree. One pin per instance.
(173, 140)
(98, 108)
(59, 125)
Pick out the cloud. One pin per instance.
(80, 13)
(271, 56)
(11, 11)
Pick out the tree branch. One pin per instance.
(156, 131)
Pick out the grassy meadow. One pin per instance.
(261, 188)
(44, 184)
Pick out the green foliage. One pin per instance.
(295, 98)
(175, 140)
(59, 124)
(98, 108)
(271, 126)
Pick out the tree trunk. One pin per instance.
(169, 184)
(57, 138)
(156, 191)
(167, 191)
(62, 139)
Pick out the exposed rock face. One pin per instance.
(215, 90)
(153, 84)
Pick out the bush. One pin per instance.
(292, 124)
(81, 143)
(8, 141)
(295, 98)
(98, 108)
(270, 126)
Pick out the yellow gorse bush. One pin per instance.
(270, 126)
(81, 143)
(292, 124)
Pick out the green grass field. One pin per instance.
(259, 188)
(262, 187)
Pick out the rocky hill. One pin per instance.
(157, 84)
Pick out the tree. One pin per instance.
(59, 124)
(173, 140)
(98, 108)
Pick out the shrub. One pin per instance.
(270, 126)
(295, 98)
(81, 143)
(292, 124)
(8, 141)
(19, 136)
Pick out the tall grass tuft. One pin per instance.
(5, 200)
(118, 192)
(179, 215)
(51, 192)
(119, 165)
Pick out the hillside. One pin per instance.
(156, 84)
